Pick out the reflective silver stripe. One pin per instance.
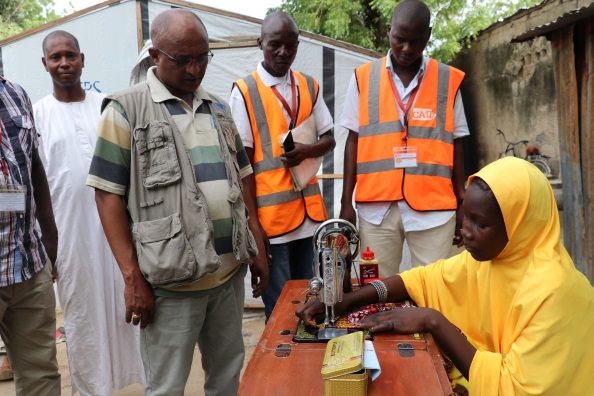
(443, 82)
(430, 133)
(311, 190)
(374, 85)
(375, 127)
(277, 198)
(267, 164)
(375, 166)
(311, 87)
(430, 170)
(422, 169)
(381, 129)
(262, 124)
(282, 197)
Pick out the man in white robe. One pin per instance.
(103, 353)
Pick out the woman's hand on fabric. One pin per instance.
(310, 310)
(407, 320)
(410, 320)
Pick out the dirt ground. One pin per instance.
(253, 325)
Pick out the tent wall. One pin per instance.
(107, 37)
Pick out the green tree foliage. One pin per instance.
(366, 22)
(19, 15)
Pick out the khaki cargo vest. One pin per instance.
(171, 228)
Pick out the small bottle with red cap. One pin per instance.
(368, 266)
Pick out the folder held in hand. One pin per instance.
(305, 133)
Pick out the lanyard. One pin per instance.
(4, 165)
(405, 109)
(291, 111)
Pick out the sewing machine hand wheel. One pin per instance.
(347, 235)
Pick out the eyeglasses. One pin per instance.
(187, 60)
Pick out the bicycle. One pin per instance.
(511, 146)
(533, 154)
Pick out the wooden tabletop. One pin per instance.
(280, 366)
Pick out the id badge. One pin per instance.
(405, 157)
(13, 199)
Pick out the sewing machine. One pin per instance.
(336, 244)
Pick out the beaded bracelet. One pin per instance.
(381, 289)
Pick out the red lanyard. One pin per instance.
(4, 166)
(411, 99)
(291, 111)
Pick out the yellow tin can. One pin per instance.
(342, 368)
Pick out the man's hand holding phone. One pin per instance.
(289, 143)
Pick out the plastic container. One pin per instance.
(368, 266)
(369, 280)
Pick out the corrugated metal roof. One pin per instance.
(559, 23)
(518, 14)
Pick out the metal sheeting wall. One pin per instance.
(573, 56)
(587, 143)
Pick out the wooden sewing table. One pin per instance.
(281, 367)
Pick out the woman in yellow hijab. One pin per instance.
(526, 315)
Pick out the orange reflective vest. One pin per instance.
(281, 209)
(428, 186)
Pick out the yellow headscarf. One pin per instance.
(529, 312)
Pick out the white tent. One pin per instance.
(112, 34)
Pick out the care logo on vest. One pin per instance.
(423, 114)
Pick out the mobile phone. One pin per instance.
(288, 143)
